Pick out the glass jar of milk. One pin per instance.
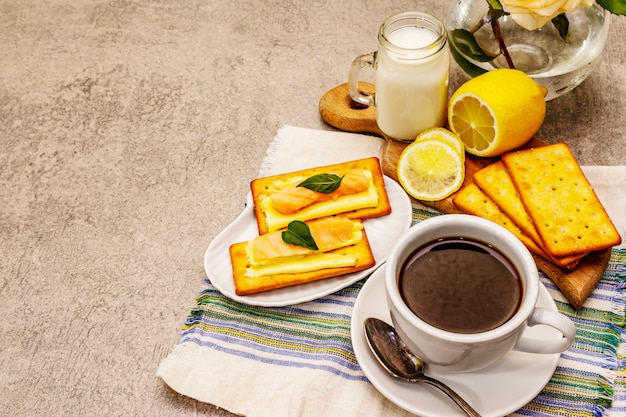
(412, 67)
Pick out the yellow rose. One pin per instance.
(533, 14)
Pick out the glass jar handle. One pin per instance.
(365, 60)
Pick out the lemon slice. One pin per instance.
(431, 169)
(497, 111)
(443, 135)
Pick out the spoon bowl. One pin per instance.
(400, 362)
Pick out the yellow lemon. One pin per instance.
(443, 135)
(431, 169)
(497, 111)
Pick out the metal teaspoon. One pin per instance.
(403, 364)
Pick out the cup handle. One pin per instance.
(555, 320)
(365, 60)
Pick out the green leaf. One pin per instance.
(469, 68)
(561, 23)
(614, 6)
(465, 42)
(322, 183)
(496, 11)
(299, 234)
(495, 5)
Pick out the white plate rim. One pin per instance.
(382, 233)
(505, 376)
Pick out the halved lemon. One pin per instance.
(443, 135)
(497, 111)
(431, 169)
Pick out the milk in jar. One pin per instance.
(412, 68)
(412, 72)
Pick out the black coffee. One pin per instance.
(460, 286)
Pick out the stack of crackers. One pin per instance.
(542, 196)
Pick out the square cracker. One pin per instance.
(245, 285)
(495, 182)
(567, 214)
(260, 188)
(473, 200)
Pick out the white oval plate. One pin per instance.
(495, 391)
(382, 232)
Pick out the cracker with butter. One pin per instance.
(300, 195)
(563, 206)
(269, 262)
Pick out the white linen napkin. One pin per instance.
(298, 361)
(296, 148)
(302, 379)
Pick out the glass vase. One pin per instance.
(556, 63)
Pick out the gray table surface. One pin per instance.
(129, 131)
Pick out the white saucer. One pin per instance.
(495, 391)
(382, 233)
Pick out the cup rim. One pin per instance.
(525, 265)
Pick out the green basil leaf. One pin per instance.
(322, 183)
(561, 23)
(465, 42)
(299, 234)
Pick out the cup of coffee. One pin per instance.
(461, 291)
(412, 66)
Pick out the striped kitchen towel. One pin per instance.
(298, 360)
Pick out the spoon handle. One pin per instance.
(453, 395)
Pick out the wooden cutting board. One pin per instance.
(338, 110)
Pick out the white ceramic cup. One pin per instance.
(456, 352)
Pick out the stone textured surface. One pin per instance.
(129, 131)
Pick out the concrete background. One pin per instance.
(129, 131)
